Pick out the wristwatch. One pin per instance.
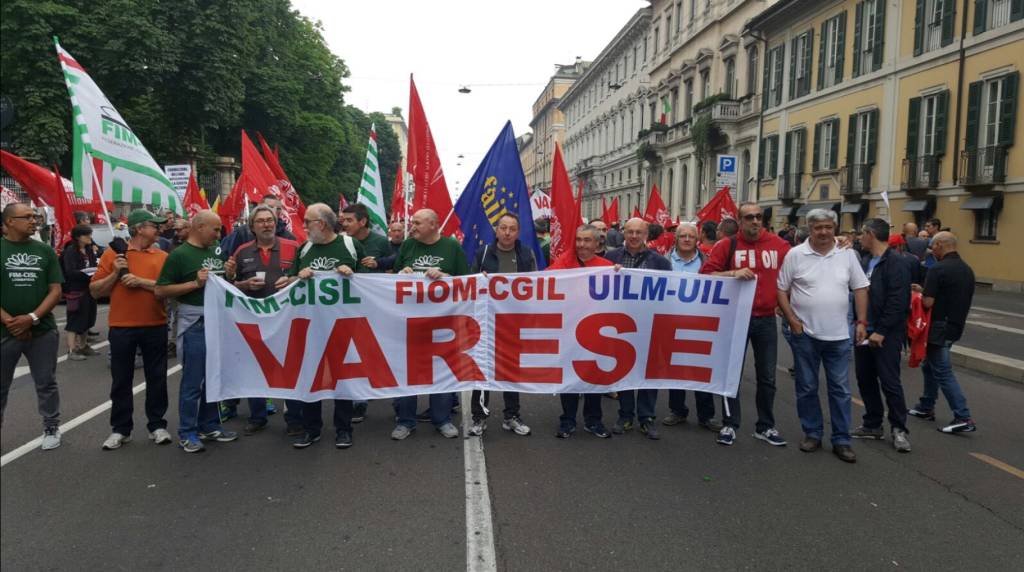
(35, 318)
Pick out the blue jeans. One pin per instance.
(764, 339)
(194, 413)
(440, 409)
(644, 405)
(809, 354)
(938, 374)
(705, 404)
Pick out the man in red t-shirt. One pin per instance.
(587, 242)
(754, 253)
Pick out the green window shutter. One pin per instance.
(1016, 10)
(806, 64)
(980, 13)
(787, 157)
(948, 18)
(878, 48)
(1008, 111)
(792, 66)
(767, 79)
(821, 57)
(913, 126)
(873, 140)
(919, 27)
(781, 53)
(774, 162)
(760, 158)
(941, 114)
(973, 115)
(841, 56)
(851, 140)
(815, 167)
(834, 144)
(801, 140)
(857, 52)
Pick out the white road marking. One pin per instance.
(66, 427)
(480, 555)
(1006, 329)
(23, 370)
(994, 311)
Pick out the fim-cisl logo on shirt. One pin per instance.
(323, 263)
(427, 261)
(23, 268)
(213, 264)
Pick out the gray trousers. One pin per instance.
(41, 353)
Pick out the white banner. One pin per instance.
(380, 336)
(178, 176)
(540, 202)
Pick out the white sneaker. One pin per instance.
(400, 432)
(477, 428)
(516, 426)
(900, 441)
(115, 441)
(160, 437)
(448, 431)
(51, 438)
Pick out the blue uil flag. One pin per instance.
(498, 186)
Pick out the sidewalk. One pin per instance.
(993, 341)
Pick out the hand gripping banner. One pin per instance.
(382, 336)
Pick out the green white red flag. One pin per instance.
(370, 192)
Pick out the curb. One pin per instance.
(993, 364)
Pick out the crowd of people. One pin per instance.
(837, 294)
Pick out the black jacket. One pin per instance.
(651, 259)
(889, 293)
(486, 259)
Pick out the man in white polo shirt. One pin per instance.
(813, 287)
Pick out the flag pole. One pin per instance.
(98, 188)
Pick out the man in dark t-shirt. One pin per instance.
(948, 292)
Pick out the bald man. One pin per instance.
(916, 246)
(948, 291)
(184, 277)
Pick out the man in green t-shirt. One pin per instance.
(29, 289)
(436, 256)
(325, 250)
(184, 277)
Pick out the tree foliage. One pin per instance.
(188, 76)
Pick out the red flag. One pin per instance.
(611, 216)
(342, 202)
(233, 205)
(37, 182)
(720, 206)
(293, 209)
(398, 197)
(656, 210)
(604, 208)
(564, 209)
(424, 165)
(64, 217)
(194, 200)
(636, 212)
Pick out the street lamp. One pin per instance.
(465, 89)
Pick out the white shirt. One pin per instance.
(819, 288)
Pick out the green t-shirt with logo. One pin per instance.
(446, 254)
(328, 256)
(28, 270)
(376, 246)
(183, 265)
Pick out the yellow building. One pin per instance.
(548, 123)
(904, 110)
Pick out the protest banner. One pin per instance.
(382, 336)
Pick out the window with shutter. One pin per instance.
(980, 16)
(1008, 109)
(941, 112)
(859, 35)
(760, 158)
(777, 80)
(833, 160)
(752, 70)
(919, 26)
(948, 15)
(973, 115)
(878, 46)
(815, 150)
(840, 46)
(913, 124)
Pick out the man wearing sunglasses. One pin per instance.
(754, 253)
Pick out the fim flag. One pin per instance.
(124, 169)
(370, 192)
(498, 186)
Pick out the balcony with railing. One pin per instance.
(789, 185)
(855, 178)
(983, 167)
(921, 172)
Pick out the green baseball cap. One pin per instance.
(142, 215)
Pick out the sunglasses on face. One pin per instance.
(753, 217)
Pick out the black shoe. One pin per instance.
(565, 432)
(359, 413)
(597, 431)
(922, 413)
(294, 430)
(845, 453)
(251, 428)
(343, 440)
(306, 440)
(423, 416)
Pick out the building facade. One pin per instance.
(904, 110)
(703, 99)
(604, 110)
(548, 124)
(397, 123)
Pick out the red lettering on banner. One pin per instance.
(402, 291)
(371, 365)
(509, 347)
(493, 284)
(664, 344)
(278, 376)
(588, 334)
(421, 348)
(521, 288)
(437, 291)
(463, 289)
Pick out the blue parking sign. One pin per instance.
(726, 163)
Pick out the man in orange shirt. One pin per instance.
(138, 320)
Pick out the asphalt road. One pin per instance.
(584, 504)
